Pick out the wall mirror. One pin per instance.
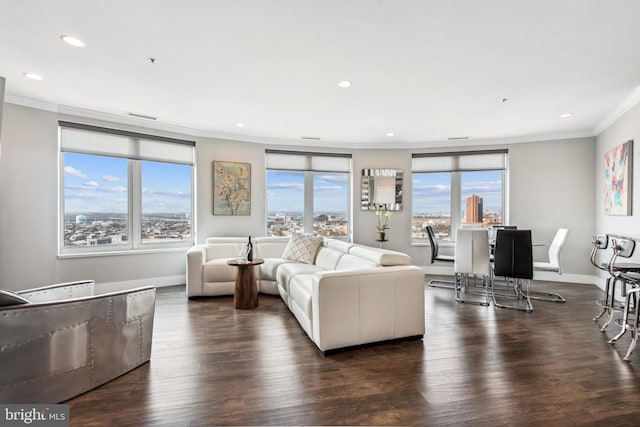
(381, 188)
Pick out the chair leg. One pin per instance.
(442, 284)
(610, 301)
(634, 332)
(521, 296)
(546, 296)
(605, 299)
(625, 319)
(462, 287)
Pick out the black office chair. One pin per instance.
(435, 256)
(513, 260)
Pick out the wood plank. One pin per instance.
(214, 365)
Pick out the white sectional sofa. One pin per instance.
(345, 295)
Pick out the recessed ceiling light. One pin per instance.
(240, 125)
(344, 83)
(152, 60)
(72, 40)
(390, 134)
(565, 115)
(32, 76)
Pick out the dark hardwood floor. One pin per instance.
(214, 365)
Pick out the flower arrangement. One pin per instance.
(383, 224)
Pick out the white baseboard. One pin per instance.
(158, 282)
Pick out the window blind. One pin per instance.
(459, 161)
(307, 161)
(87, 139)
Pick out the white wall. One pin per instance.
(625, 128)
(29, 193)
(2, 84)
(551, 185)
(29, 215)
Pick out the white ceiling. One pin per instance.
(425, 70)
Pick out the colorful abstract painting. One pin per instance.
(231, 188)
(618, 174)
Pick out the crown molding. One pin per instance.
(202, 133)
(628, 103)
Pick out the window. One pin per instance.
(123, 191)
(308, 192)
(453, 190)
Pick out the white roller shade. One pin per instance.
(300, 161)
(125, 145)
(460, 162)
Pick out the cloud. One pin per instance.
(169, 193)
(334, 177)
(114, 189)
(111, 178)
(287, 185)
(431, 190)
(92, 185)
(70, 171)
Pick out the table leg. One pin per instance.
(246, 290)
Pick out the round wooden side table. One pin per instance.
(245, 295)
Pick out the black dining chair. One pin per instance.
(513, 260)
(436, 256)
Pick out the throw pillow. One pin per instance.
(302, 248)
(11, 298)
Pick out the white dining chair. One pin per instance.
(472, 267)
(553, 265)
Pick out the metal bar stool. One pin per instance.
(622, 248)
(629, 323)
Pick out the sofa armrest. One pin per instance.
(196, 257)
(364, 306)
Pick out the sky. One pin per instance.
(431, 191)
(99, 184)
(285, 191)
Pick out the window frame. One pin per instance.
(303, 162)
(455, 191)
(134, 197)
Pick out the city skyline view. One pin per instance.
(432, 191)
(99, 184)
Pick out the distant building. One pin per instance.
(81, 219)
(474, 209)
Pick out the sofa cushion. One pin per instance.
(352, 262)
(328, 258)
(217, 270)
(270, 247)
(382, 257)
(300, 290)
(339, 245)
(302, 248)
(270, 267)
(289, 270)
